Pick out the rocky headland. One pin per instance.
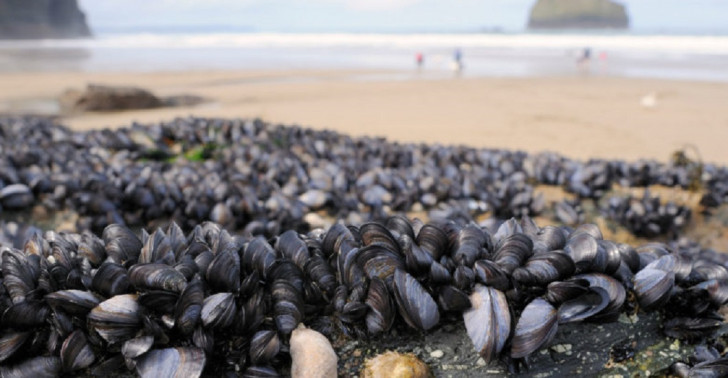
(578, 14)
(21, 19)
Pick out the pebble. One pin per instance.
(437, 354)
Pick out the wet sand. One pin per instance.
(580, 117)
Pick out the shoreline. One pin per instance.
(578, 117)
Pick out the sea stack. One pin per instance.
(37, 19)
(578, 14)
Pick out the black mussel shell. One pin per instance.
(218, 310)
(185, 362)
(264, 346)
(535, 328)
(492, 275)
(488, 321)
(110, 279)
(157, 277)
(584, 306)
(451, 298)
(415, 304)
(544, 268)
(691, 329)
(76, 352)
(116, 319)
(189, 306)
(558, 292)
(121, 244)
(137, 346)
(653, 287)
(39, 367)
(381, 313)
(582, 249)
(11, 342)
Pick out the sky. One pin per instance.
(693, 16)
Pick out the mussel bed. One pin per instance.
(264, 178)
(209, 302)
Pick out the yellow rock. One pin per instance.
(395, 365)
(312, 355)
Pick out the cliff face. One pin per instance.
(578, 14)
(29, 19)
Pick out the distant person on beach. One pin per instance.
(420, 59)
(457, 60)
(584, 59)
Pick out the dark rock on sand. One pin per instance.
(107, 98)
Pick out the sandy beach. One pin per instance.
(580, 117)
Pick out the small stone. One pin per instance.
(356, 353)
(393, 364)
(312, 354)
(480, 362)
(437, 354)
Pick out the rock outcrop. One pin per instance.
(578, 14)
(34, 19)
(104, 98)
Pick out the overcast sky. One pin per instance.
(702, 16)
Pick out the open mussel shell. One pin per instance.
(536, 327)
(116, 319)
(415, 304)
(39, 367)
(218, 310)
(185, 362)
(584, 306)
(76, 352)
(653, 287)
(617, 294)
(264, 346)
(157, 277)
(488, 321)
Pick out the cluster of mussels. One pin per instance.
(170, 304)
(270, 178)
(648, 216)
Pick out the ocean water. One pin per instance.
(688, 57)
